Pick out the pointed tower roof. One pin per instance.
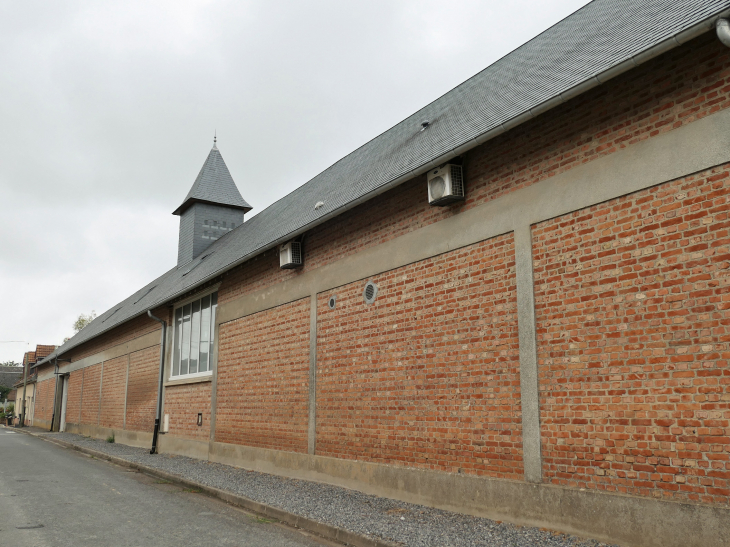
(214, 185)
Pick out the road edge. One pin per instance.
(326, 531)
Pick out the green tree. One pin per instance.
(84, 320)
(4, 390)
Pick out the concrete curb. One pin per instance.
(326, 531)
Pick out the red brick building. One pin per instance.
(25, 388)
(552, 349)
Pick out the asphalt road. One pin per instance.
(55, 497)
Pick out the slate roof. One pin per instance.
(214, 184)
(10, 375)
(32, 377)
(601, 39)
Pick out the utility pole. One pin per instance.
(26, 366)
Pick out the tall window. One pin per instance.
(193, 337)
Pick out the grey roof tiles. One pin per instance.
(214, 184)
(592, 41)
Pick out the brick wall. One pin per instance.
(90, 395)
(672, 90)
(108, 411)
(144, 368)
(73, 401)
(428, 375)
(263, 378)
(634, 331)
(641, 410)
(44, 392)
(88, 406)
(664, 94)
(183, 403)
(113, 393)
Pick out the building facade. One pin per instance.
(24, 388)
(552, 350)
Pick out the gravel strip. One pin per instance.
(381, 518)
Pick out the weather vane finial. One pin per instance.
(215, 136)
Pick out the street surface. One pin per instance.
(55, 497)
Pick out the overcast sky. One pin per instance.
(108, 109)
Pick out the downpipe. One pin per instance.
(158, 413)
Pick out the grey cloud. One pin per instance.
(109, 109)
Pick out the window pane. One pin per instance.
(195, 338)
(177, 340)
(204, 333)
(185, 340)
(213, 307)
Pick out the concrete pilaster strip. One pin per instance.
(166, 365)
(312, 433)
(101, 384)
(214, 382)
(126, 394)
(529, 389)
(81, 397)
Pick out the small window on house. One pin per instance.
(193, 337)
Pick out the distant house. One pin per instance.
(28, 386)
(10, 375)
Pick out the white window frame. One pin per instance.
(199, 296)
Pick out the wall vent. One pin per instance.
(332, 302)
(290, 255)
(370, 293)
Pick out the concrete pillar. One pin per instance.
(213, 383)
(81, 397)
(312, 434)
(126, 391)
(101, 384)
(529, 388)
